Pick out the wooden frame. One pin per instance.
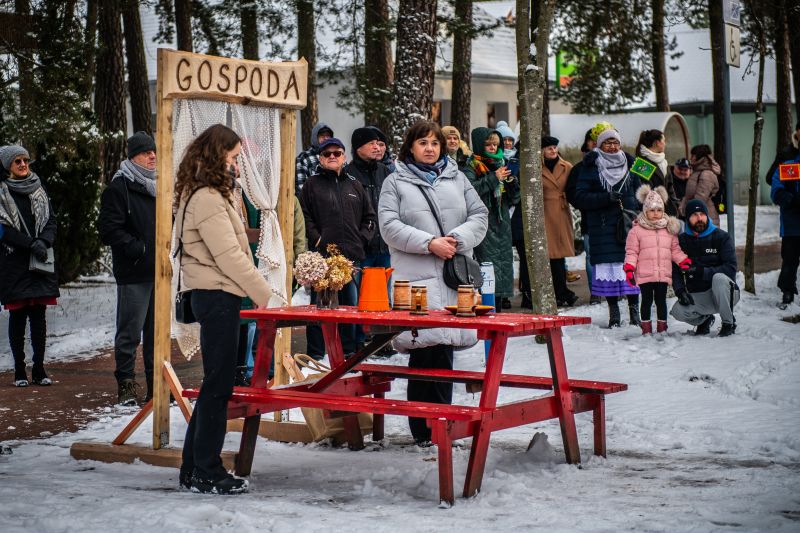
(188, 75)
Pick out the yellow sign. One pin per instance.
(191, 75)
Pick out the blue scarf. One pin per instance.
(425, 171)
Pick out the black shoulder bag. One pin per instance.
(626, 218)
(459, 269)
(183, 299)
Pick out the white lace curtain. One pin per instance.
(259, 129)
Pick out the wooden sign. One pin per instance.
(189, 75)
(789, 172)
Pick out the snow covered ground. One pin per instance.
(707, 438)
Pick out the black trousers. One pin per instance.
(218, 315)
(438, 356)
(558, 271)
(654, 291)
(315, 341)
(524, 279)
(790, 255)
(17, 321)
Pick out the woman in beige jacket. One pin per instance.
(218, 266)
(703, 184)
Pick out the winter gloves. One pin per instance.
(39, 249)
(629, 269)
(614, 196)
(684, 297)
(694, 272)
(685, 264)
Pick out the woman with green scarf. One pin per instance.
(499, 189)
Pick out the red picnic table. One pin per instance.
(352, 386)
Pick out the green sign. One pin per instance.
(643, 168)
(564, 70)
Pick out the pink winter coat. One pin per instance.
(651, 252)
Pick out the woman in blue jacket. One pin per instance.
(605, 185)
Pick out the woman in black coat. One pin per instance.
(651, 146)
(603, 183)
(27, 228)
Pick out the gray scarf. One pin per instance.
(612, 167)
(135, 173)
(31, 186)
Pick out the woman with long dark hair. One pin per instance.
(703, 184)
(650, 147)
(419, 250)
(27, 229)
(216, 263)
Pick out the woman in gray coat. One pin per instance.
(418, 250)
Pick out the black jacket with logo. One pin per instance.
(714, 252)
(128, 224)
(338, 211)
(371, 175)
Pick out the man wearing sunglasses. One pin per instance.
(307, 161)
(337, 211)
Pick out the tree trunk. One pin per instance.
(183, 24)
(461, 98)
(378, 64)
(109, 98)
(782, 78)
(532, 81)
(25, 68)
(793, 19)
(414, 69)
(749, 246)
(717, 64)
(90, 40)
(659, 57)
(138, 81)
(249, 26)
(307, 47)
(535, 11)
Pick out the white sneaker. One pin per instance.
(21, 383)
(43, 382)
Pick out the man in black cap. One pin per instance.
(710, 284)
(128, 224)
(681, 171)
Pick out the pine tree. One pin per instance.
(138, 80)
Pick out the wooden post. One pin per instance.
(163, 279)
(283, 343)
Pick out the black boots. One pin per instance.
(633, 311)
(226, 484)
(705, 326)
(788, 298)
(727, 329)
(127, 392)
(614, 319)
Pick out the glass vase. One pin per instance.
(328, 299)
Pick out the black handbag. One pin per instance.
(624, 223)
(459, 269)
(183, 299)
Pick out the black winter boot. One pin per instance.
(704, 328)
(633, 311)
(614, 319)
(788, 298)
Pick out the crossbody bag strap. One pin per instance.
(433, 211)
(24, 225)
(179, 248)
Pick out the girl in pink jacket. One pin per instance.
(651, 248)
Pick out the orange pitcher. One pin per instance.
(374, 294)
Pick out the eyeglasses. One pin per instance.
(611, 142)
(22, 161)
(335, 153)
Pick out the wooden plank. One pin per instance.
(134, 424)
(278, 431)
(129, 453)
(177, 390)
(163, 277)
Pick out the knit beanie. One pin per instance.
(362, 136)
(140, 142)
(693, 206)
(549, 141)
(606, 135)
(505, 131)
(381, 136)
(8, 153)
(450, 130)
(653, 201)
